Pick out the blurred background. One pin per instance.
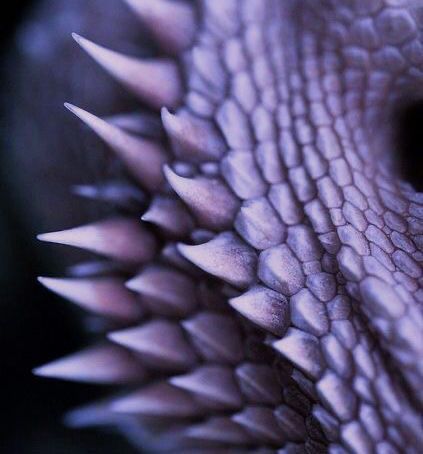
(43, 151)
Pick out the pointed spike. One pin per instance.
(226, 257)
(172, 23)
(265, 308)
(167, 291)
(104, 364)
(160, 342)
(92, 415)
(170, 215)
(221, 430)
(171, 256)
(303, 350)
(193, 139)
(216, 337)
(214, 383)
(105, 296)
(161, 399)
(122, 195)
(291, 423)
(210, 200)
(96, 268)
(259, 383)
(156, 82)
(121, 239)
(261, 424)
(143, 158)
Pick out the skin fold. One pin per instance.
(269, 298)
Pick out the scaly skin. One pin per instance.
(283, 157)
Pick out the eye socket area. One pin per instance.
(408, 141)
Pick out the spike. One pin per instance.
(192, 138)
(104, 364)
(92, 415)
(216, 337)
(161, 399)
(226, 257)
(105, 296)
(143, 158)
(156, 82)
(221, 430)
(265, 308)
(170, 215)
(95, 268)
(303, 350)
(122, 195)
(172, 256)
(161, 343)
(214, 383)
(209, 199)
(141, 123)
(261, 424)
(259, 383)
(119, 238)
(172, 23)
(166, 290)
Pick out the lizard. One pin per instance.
(274, 299)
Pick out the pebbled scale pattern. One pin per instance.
(275, 302)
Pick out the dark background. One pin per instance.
(35, 326)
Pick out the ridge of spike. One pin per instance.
(143, 158)
(105, 296)
(122, 239)
(102, 364)
(172, 23)
(160, 343)
(193, 139)
(156, 82)
(212, 203)
(166, 290)
(170, 215)
(215, 383)
(158, 399)
(264, 307)
(226, 257)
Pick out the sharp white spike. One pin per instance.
(215, 383)
(156, 82)
(143, 158)
(103, 364)
(172, 23)
(121, 239)
(192, 138)
(210, 200)
(160, 342)
(264, 307)
(105, 296)
(226, 257)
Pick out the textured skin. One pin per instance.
(287, 168)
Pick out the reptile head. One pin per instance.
(270, 297)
